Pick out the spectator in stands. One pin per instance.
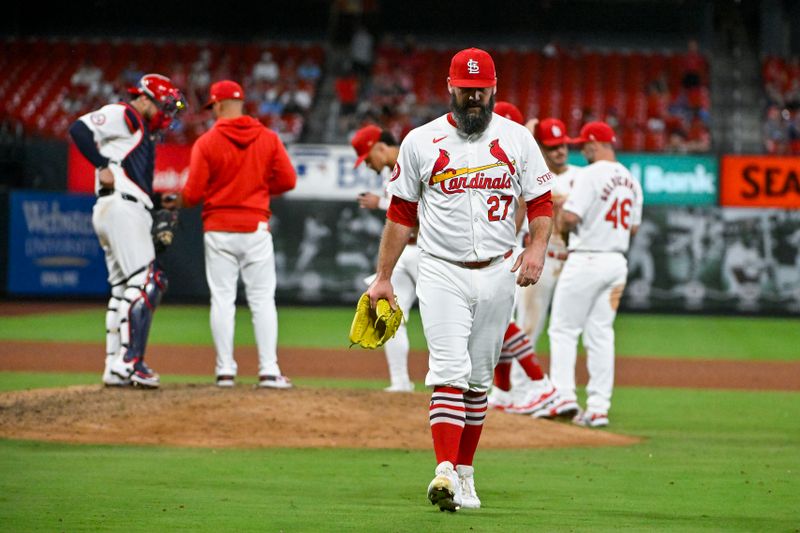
(295, 99)
(88, 77)
(199, 81)
(309, 70)
(270, 104)
(775, 132)
(361, 52)
(346, 86)
(698, 138)
(266, 69)
(794, 130)
(694, 63)
(132, 74)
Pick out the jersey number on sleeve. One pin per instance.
(494, 206)
(620, 213)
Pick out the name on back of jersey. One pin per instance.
(613, 183)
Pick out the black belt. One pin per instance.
(109, 192)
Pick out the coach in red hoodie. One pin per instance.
(236, 166)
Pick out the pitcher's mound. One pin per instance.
(245, 417)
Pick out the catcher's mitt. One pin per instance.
(164, 222)
(371, 328)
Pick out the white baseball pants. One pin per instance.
(123, 229)
(464, 315)
(532, 305)
(533, 301)
(585, 302)
(404, 281)
(251, 254)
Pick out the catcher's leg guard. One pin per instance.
(113, 318)
(142, 296)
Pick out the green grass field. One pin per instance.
(710, 460)
(738, 338)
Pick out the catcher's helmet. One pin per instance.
(166, 96)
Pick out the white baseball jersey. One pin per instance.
(467, 185)
(118, 136)
(609, 201)
(562, 184)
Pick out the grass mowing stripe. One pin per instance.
(12, 381)
(641, 335)
(738, 473)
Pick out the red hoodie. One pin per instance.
(235, 168)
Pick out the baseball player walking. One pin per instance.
(533, 302)
(234, 169)
(119, 140)
(602, 212)
(530, 390)
(379, 149)
(459, 177)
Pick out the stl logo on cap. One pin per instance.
(556, 131)
(472, 67)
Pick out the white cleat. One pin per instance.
(466, 477)
(445, 489)
(225, 381)
(591, 420)
(560, 408)
(500, 399)
(268, 381)
(400, 387)
(535, 401)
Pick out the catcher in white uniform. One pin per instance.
(459, 177)
(119, 140)
(602, 212)
(379, 150)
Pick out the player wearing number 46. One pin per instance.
(459, 177)
(602, 212)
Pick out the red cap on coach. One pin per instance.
(596, 131)
(472, 67)
(510, 111)
(551, 132)
(224, 90)
(364, 140)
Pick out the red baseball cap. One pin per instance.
(510, 111)
(224, 90)
(472, 67)
(596, 131)
(364, 140)
(551, 132)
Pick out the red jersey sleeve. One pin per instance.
(541, 206)
(194, 189)
(283, 177)
(402, 212)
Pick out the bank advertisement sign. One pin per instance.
(52, 245)
(670, 179)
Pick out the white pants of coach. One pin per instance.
(585, 302)
(464, 314)
(251, 254)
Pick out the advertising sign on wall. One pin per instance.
(52, 245)
(323, 171)
(172, 169)
(670, 179)
(760, 181)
